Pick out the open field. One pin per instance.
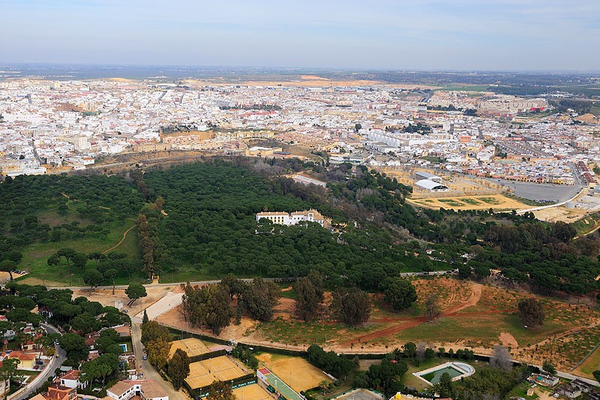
(295, 371)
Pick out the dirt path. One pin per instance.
(121, 241)
(476, 290)
(408, 323)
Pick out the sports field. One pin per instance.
(192, 346)
(298, 373)
(205, 372)
(251, 392)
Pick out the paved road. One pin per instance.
(56, 362)
(145, 367)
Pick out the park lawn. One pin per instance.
(35, 256)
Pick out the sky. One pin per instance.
(496, 35)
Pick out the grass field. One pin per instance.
(298, 373)
(591, 364)
(294, 332)
(35, 256)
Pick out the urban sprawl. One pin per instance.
(57, 126)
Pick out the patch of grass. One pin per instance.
(299, 332)
(450, 202)
(524, 200)
(520, 391)
(412, 381)
(489, 200)
(187, 274)
(586, 224)
(289, 294)
(591, 363)
(470, 201)
(35, 256)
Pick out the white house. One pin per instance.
(283, 218)
(71, 380)
(147, 389)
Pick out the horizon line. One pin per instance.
(304, 68)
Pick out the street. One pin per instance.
(47, 372)
(145, 367)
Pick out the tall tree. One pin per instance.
(135, 291)
(178, 368)
(93, 277)
(259, 299)
(531, 312)
(152, 331)
(308, 299)
(399, 293)
(217, 311)
(9, 370)
(158, 352)
(432, 307)
(352, 306)
(8, 266)
(75, 346)
(219, 390)
(444, 387)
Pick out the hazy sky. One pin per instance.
(400, 34)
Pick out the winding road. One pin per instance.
(39, 380)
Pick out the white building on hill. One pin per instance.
(283, 218)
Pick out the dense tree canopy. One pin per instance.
(352, 306)
(399, 293)
(178, 368)
(531, 312)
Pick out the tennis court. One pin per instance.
(251, 392)
(295, 371)
(203, 373)
(192, 346)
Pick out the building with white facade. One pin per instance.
(283, 218)
(146, 389)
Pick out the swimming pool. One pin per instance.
(456, 370)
